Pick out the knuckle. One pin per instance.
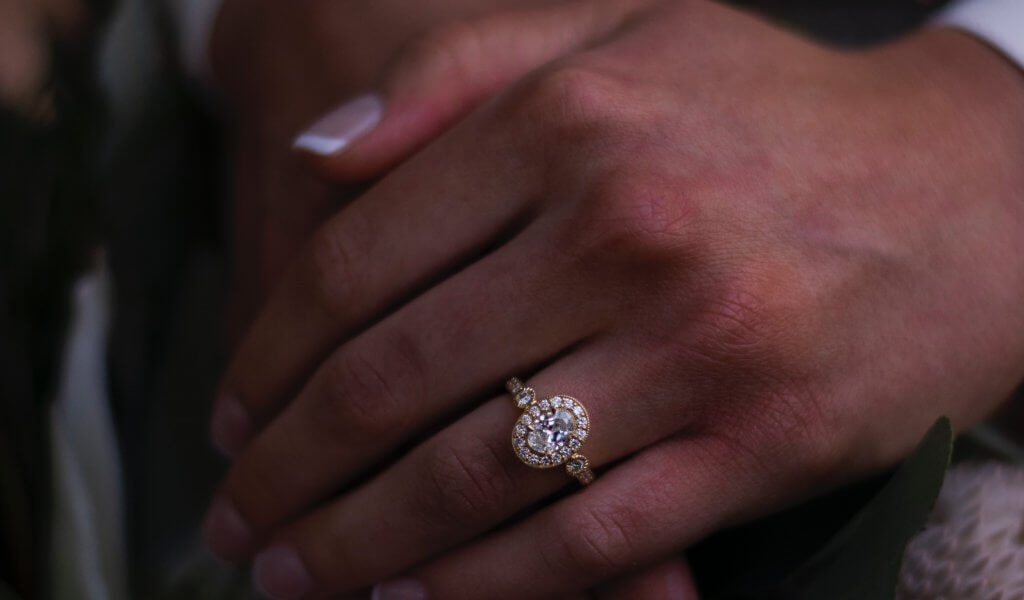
(334, 264)
(754, 310)
(360, 397)
(465, 483)
(784, 437)
(803, 431)
(735, 322)
(447, 51)
(569, 101)
(595, 541)
(636, 218)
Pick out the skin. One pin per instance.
(25, 30)
(278, 65)
(764, 266)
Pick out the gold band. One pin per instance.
(550, 432)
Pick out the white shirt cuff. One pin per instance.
(193, 20)
(999, 22)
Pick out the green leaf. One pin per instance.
(862, 561)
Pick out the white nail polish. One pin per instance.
(340, 127)
(402, 589)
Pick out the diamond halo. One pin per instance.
(550, 432)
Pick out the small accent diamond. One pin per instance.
(538, 441)
(545, 405)
(582, 421)
(581, 433)
(535, 411)
(575, 444)
(520, 429)
(556, 401)
(578, 410)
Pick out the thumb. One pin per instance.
(442, 78)
(669, 580)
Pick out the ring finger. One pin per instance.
(465, 480)
(514, 309)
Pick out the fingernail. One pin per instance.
(279, 573)
(225, 532)
(401, 589)
(231, 426)
(340, 127)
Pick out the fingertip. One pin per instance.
(335, 131)
(279, 573)
(680, 582)
(670, 580)
(401, 589)
(231, 426)
(225, 532)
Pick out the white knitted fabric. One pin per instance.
(973, 544)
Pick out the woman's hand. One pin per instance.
(764, 267)
(277, 65)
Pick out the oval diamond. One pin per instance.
(550, 431)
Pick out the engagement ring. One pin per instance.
(550, 432)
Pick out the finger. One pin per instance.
(376, 251)
(442, 78)
(463, 481)
(650, 507)
(514, 310)
(275, 206)
(425, 220)
(668, 580)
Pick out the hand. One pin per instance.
(764, 266)
(24, 49)
(277, 65)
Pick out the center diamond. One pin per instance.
(550, 431)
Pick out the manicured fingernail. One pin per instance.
(279, 574)
(225, 532)
(231, 426)
(340, 127)
(401, 589)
